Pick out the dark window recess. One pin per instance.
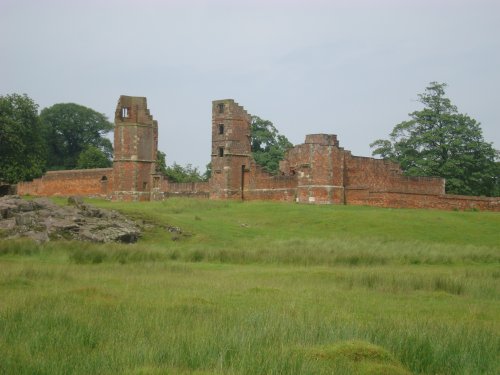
(221, 107)
(144, 186)
(221, 128)
(124, 112)
(221, 151)
(104, 178)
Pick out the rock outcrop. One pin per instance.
(43, 220)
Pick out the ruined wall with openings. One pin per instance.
(318, 171)
(90, 182)
(318, 164)
(235, 175)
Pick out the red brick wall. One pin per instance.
(319, 166)
(382, 175)
(86, 182)
(324, 170)
(408, 200)
(260, 185)
(186, 189)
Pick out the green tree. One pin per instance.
(93, 157)
(208, 172)
(70, 129)
(268, 146)
(178, 173)
(439, 141)
(161, 162)
(22, 151)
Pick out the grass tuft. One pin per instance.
(363, 357)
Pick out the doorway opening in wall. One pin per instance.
(242, 182)
(104, 185)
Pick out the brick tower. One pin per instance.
(136, 144)
(231, 150)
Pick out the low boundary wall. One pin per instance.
(86, 182)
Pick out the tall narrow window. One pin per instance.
(221, 151)
(221, 107)
(221, 128)
(124, 112)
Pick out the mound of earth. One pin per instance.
(362, 357)
(43, 220)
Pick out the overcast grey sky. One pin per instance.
(351, 68)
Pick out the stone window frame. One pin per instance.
(125, 113)
(221, 129)
(220, 107)
(221, 152)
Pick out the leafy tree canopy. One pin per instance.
(93, 157)
(268, 146)
(70, 129)
(161, 162)
(178, 173)
(22, 151)
(208, 172)
(439, 141)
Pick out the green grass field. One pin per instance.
(259, 288)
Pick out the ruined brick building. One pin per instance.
(133, 176)
(318, 171)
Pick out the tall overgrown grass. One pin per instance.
(258, 288)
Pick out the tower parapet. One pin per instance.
(231, 149)
(136, 145)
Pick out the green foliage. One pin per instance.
(268, 146)
(178, 173)
(208, 172)
(22, 151)
(439, 141)
(93, 157)
(70, 129)
(161, 162)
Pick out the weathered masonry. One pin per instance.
(135, 148)
(133, 176)
(235, 175)
(318, 171)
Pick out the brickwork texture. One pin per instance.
(317, 171)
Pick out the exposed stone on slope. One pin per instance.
(42, 220)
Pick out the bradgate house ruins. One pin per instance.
(318, 171)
